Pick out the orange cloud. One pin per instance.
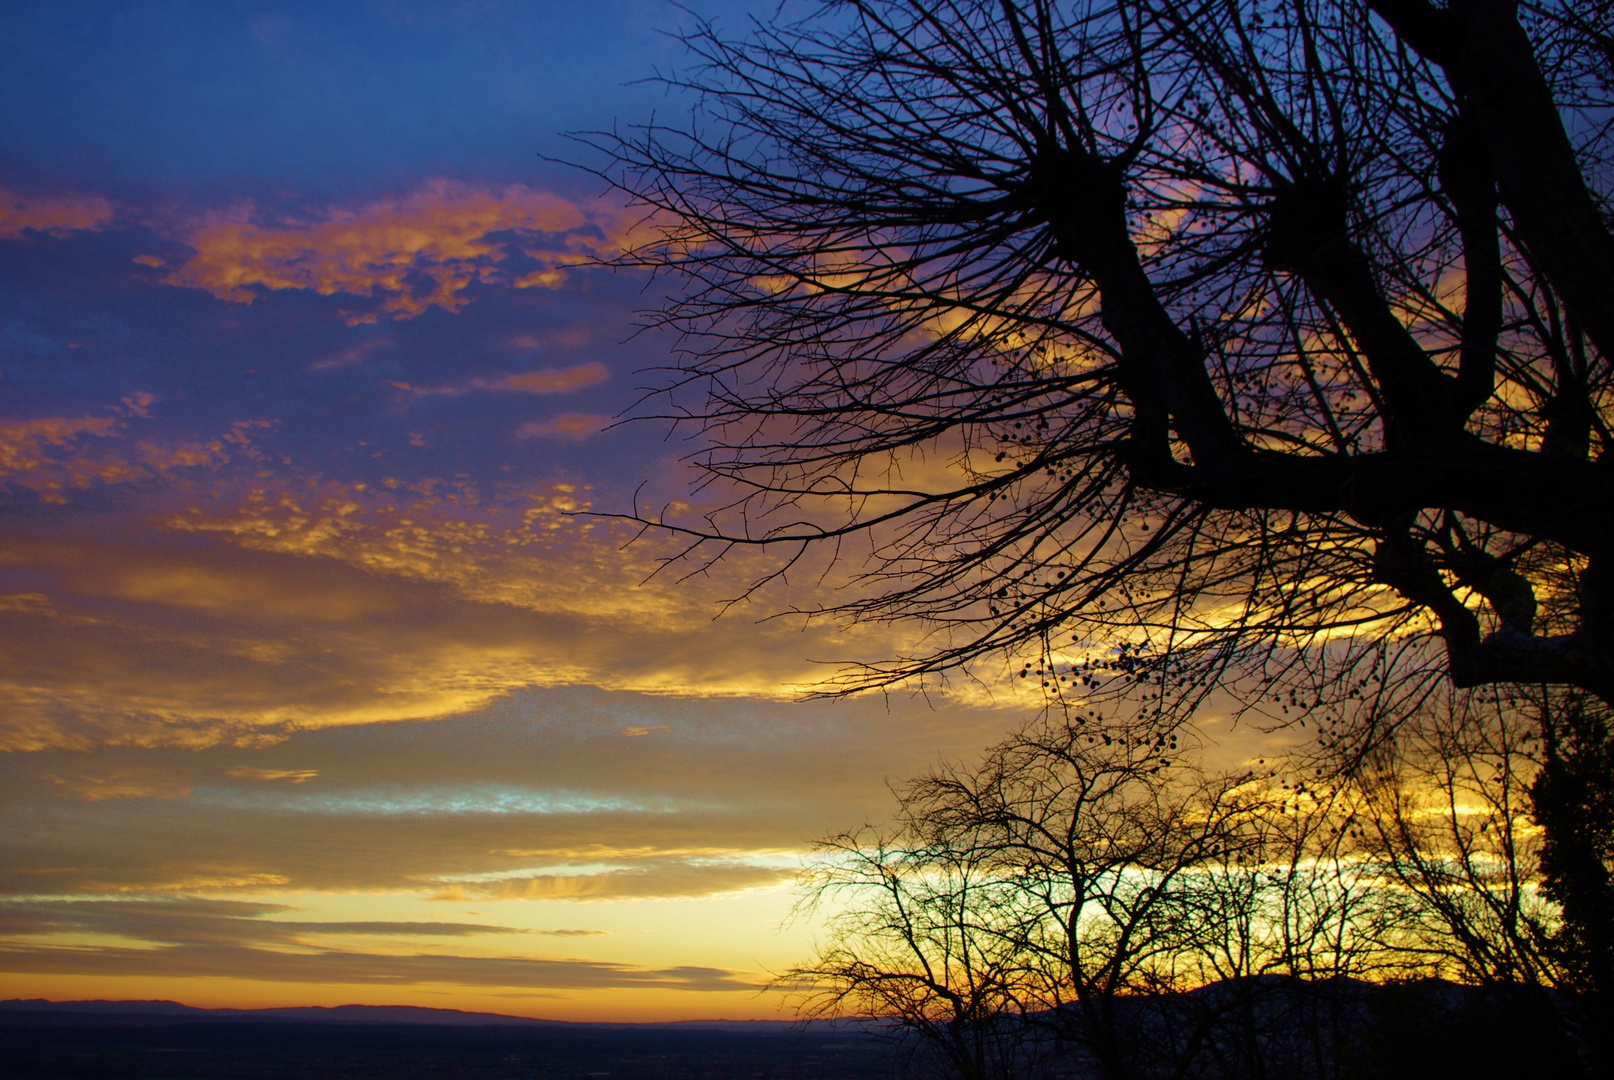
(54, 214)
(247, 772)
(549, 380)
(23, 443)
(416, 250)
(564, 426)
(45, 455)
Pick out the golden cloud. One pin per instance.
(52, 214)
(247, 772)
(659, 882)
(417, 250)
(336, 604)
(184, 644)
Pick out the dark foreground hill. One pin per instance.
(1254, 1029)
(168, 1041)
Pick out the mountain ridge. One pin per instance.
(163, 1011)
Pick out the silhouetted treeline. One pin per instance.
(1091, 901)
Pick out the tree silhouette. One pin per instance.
(1035, 900)
(1209, 343)
(1081, 902)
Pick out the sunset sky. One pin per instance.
(313, 689)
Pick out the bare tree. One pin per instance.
(1039, 899)
(1491, 817)
(918, 939)
(1230, 342)
(1282, 940)
(1085, 897)
(1446, 812)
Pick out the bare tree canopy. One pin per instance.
(1274, 335)
(1082, 905)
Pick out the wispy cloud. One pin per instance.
(295, 776)
(565, 426)
(143, 784)
(369, 969)
(349, 356)
(660, 879)
(203, 937)
(196, 920)
(542, 381)
(548, 381)
(504, 806)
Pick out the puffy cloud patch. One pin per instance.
(42, 454)
(51, 214)
(413, 251)
(53, 454)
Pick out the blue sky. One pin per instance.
(314, 686)
(325, 99)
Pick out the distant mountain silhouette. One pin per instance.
(100, 1013)
(92, 1040)
(170, 1011)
